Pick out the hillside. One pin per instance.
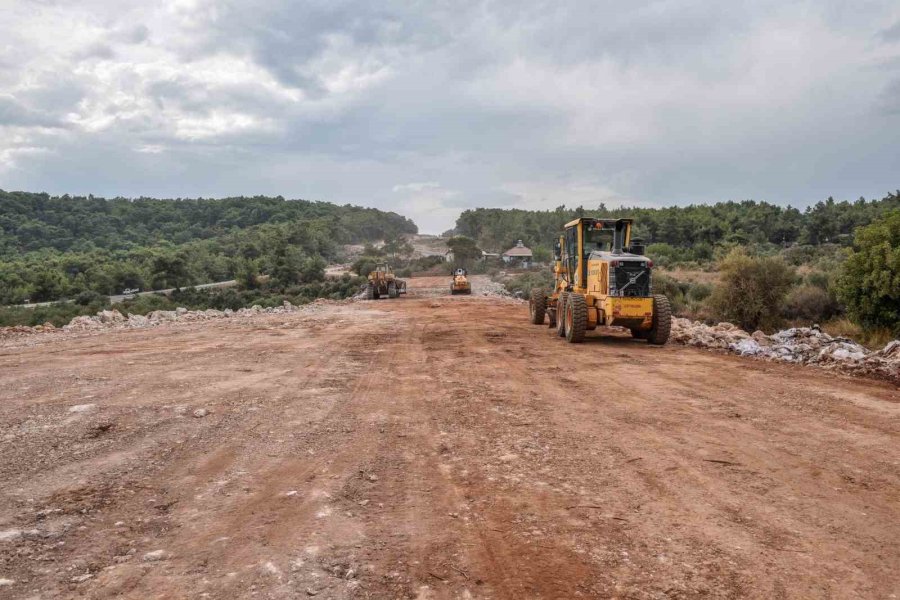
(58, 247)
(31, 222)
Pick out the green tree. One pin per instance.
(869, 283)
(751, 290)
(465, 250)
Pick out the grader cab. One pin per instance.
(602, 279)
(383, 282)
(460, 283)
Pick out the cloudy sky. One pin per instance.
(428, 108)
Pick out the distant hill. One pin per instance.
(60, 247)
(30, 221)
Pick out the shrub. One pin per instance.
(525, 282)
(810, 303)
(751, 290)
(869, 282)
(698, 292)
(88, 297)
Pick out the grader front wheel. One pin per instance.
(537, 305)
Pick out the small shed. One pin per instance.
(518, 255)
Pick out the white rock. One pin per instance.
(10, 535)
(200, 413)
(82, 408)
(6, 582)
(154, 556)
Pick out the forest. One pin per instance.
(64, 247)
(697, 229)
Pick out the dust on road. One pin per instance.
(436, 447)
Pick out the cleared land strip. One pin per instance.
(436, 447)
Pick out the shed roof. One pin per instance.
(518, 250)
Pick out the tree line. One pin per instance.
(700, 227)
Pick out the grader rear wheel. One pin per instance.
(370, 292)
(662, 321)
(561, 314)
(576, 318)
(537, 305)
(392, 290)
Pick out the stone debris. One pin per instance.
(6, 582)
(800, 345)
(113, 319)
(200, 413)
(155, 556)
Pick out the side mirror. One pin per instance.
(557, 251)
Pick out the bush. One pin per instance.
(88, 297)
(699, 292)
(751, 290)
(525, 282)
(869, 282)
(810, 303)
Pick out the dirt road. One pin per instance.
(435, 447)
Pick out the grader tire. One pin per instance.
(662, 321)
(576, 318)
(370, 291)
(561, 314)
(537, 306)
(392, 290)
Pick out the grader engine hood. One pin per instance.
(629, 274)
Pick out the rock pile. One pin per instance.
(111, 319)
(801, 345)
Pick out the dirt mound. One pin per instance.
(801, 345)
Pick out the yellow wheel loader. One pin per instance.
(460, 283)
(383, 282)
(601, 278)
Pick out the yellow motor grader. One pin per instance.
(383, 282)
(602, 278)
(460, 283)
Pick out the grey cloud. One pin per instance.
(892, 33)
(503, 103)
(15, 114)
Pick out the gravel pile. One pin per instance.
(801, 345)
(113, 319)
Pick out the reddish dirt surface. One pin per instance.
(436, 447)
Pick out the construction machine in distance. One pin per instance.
(602, 279)
(460, 283)
(383, 282)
